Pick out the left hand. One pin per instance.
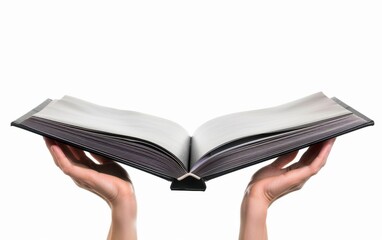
(106, 178)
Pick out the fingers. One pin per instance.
(110, 167)
(105, 180)
(72, 153)
(320, 160)
(276, 180)
(49, 143)
(100, 159)
(63, 147)
(69, 167)
(283, 160)
(114, 169)
(68, 157)
(81, 157)
(65, 158)
(317, 153)
(314, 150)
(299, 172)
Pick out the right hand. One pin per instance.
(275, 180)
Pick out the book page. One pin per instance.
(212, 134)
(252, 151)
(165, 133)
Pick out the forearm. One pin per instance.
(123, 223)
(253, 219)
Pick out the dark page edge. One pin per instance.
(18, 123)
(368, 122)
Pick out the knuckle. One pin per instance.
(66, 169)
(314, 170)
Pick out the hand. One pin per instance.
(106, 179)
(274, 181)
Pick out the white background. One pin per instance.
(190, 61)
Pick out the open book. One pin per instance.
(219, 146)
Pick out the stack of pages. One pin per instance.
(219, 146)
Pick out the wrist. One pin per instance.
(254, 211)
(257, 194)
(254, 208)
(123, 219)
(125, 207)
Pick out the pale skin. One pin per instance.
(274, 181)
(106, 179)
(111, 182)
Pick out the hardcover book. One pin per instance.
(219, 146)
